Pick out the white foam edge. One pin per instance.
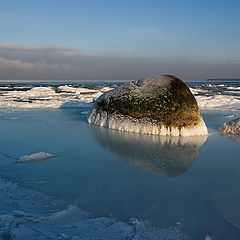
(127, 124)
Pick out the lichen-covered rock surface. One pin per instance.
(161, 105)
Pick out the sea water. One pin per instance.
(61, 178)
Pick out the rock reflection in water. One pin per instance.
(163, 155)
(235, 138)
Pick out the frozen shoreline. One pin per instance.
(34, 222)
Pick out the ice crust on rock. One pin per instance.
(162, 105)
(127, 124)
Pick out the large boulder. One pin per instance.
(161, 105)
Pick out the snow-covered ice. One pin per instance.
(217, 96)
(220, 102)
(48, 96)
(32, 221)
(30, 97)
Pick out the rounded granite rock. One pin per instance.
(161, 105)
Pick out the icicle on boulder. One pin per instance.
(161, 105)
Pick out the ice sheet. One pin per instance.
(30, 221)
(48, 97)
(217, 96)
(218, 102)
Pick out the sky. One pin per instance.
(119, 40)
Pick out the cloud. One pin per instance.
(66, 63)
(27, 66)
(32, 48)
(232, 61)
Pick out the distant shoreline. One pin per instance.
(55, 80)
(223, 80)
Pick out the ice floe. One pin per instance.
(231, 128)
(217, 96)
(35, 157)
(218, 102)
(48, 96)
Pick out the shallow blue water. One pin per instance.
(106, 172)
